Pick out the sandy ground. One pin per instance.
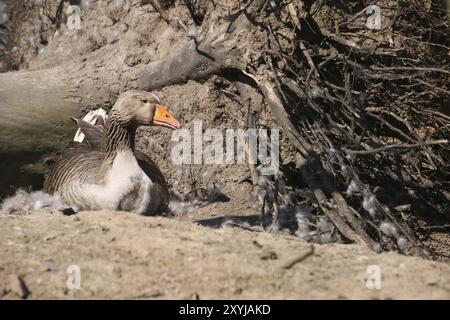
(122, 255)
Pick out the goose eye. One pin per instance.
(145, 101)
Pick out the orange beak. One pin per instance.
(164, 118)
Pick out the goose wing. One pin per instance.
(152, 171)
(80, 161)
(93, 134)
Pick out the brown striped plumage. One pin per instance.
(105, 171)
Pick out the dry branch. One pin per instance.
(399, 146)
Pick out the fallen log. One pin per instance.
(36, 106)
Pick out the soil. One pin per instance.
(123, 255)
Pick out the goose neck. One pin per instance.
(120, 136)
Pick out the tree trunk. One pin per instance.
(35, 111)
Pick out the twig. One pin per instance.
(339, 39)
(398, 146)
(298, 259)
(437, 70)
(445, 226)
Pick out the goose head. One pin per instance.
(141, 108)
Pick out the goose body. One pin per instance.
(123, 186)
(105, 171)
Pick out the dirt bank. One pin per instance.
(122, 255)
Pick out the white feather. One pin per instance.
(90, 117)
(352, 188)
(370, 205)
(27, 201)
(388, 229)
(402, 243)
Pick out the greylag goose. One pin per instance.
(105, 171)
